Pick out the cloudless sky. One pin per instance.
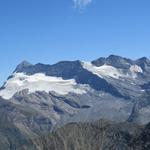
(48, 31)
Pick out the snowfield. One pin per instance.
(110, 71)
(104, 70)
(40, 82)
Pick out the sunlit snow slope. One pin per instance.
(40, 82)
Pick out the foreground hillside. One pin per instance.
(101, 135)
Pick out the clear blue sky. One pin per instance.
(51, 30)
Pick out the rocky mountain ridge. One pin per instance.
(40, 98)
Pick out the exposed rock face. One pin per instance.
(11, 137)
(115, 61)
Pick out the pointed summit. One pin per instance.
(115, 61)
(114, 57)
(119, 59)
(24, 64)
(143, 60)
(144, 63)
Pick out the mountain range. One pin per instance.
(41, 106)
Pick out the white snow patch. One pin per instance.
(105, 70)
(40, 82)
(136, 69)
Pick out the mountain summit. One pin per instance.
(22, 65)
(39, 98)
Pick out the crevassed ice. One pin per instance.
(40, 82)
